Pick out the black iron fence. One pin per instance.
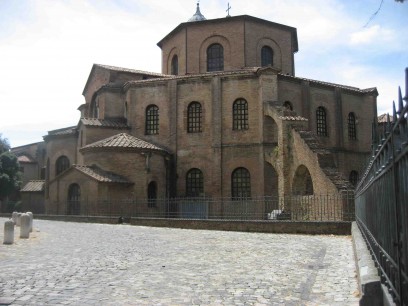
(339, 207)
(382, 202)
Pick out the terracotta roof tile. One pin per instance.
(101, 175)
(131, 70)
(63, 131)
(124, 140)
(34, 186)
(110, 123)
(25, 159)
(351, 88)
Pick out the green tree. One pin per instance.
(10, 176)
(4, 144)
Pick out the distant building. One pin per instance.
(226, 118)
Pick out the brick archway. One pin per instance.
(302, 183)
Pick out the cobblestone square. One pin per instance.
(66, 263)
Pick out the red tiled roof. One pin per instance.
(101, 175)
(124, 140)
(34, 186)
(110, 123)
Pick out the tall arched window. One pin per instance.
(353, 178)
(74, 197)
(240, 183)
(174, 65)
(215, 58)
(61, 164)
(351, 122)
(152, 120)
(194, 183)
(321, 121)
(151, 194)
(194, 114)
(266, 56)
(240, 115)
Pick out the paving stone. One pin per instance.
(100, 264)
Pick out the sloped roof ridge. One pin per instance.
(371, 89)
(101, 175)
(33, 186)
(124, 140)
(119, 122)
(242, 71)
(122, 69)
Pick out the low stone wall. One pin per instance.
(287, 227)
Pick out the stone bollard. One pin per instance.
(30, 214)
(18, 219)
(25, 226)
(14, 217)
(8, 232)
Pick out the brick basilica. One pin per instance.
(226, 118)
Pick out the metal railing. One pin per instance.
(382, 202)
(339, 207)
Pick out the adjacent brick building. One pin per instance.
(226, 118)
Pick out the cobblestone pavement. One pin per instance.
(67, 263)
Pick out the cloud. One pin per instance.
(373, 34)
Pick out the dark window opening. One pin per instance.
(174, 65)
(266, 56)
(74, 197)
(352, 131)
(240, 183)
(288, 105)
(151, 194)
(240, 115)
(194, 183)
(152, 120)
(62, 164)
(321, 121)
(353, 178)
(215, 58)
(194, 114)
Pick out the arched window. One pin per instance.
(174, 65)
(353, 178)
(61, 164)
(152, 120)
(288, 105)
(151, 194)
(74, 197)
(215, 58)
(266, 56)
(194, 183)
(240, 115)
(321, 121)
(240, 183)
(351, 122)
(194, 117)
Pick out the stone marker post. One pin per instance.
(25, 226)
(14, 216)
(18, 219)
(8, 232)
(30, 214)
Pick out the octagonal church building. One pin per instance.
(225, 119)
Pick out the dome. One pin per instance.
(197, 16)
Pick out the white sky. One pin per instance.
(48, 47)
